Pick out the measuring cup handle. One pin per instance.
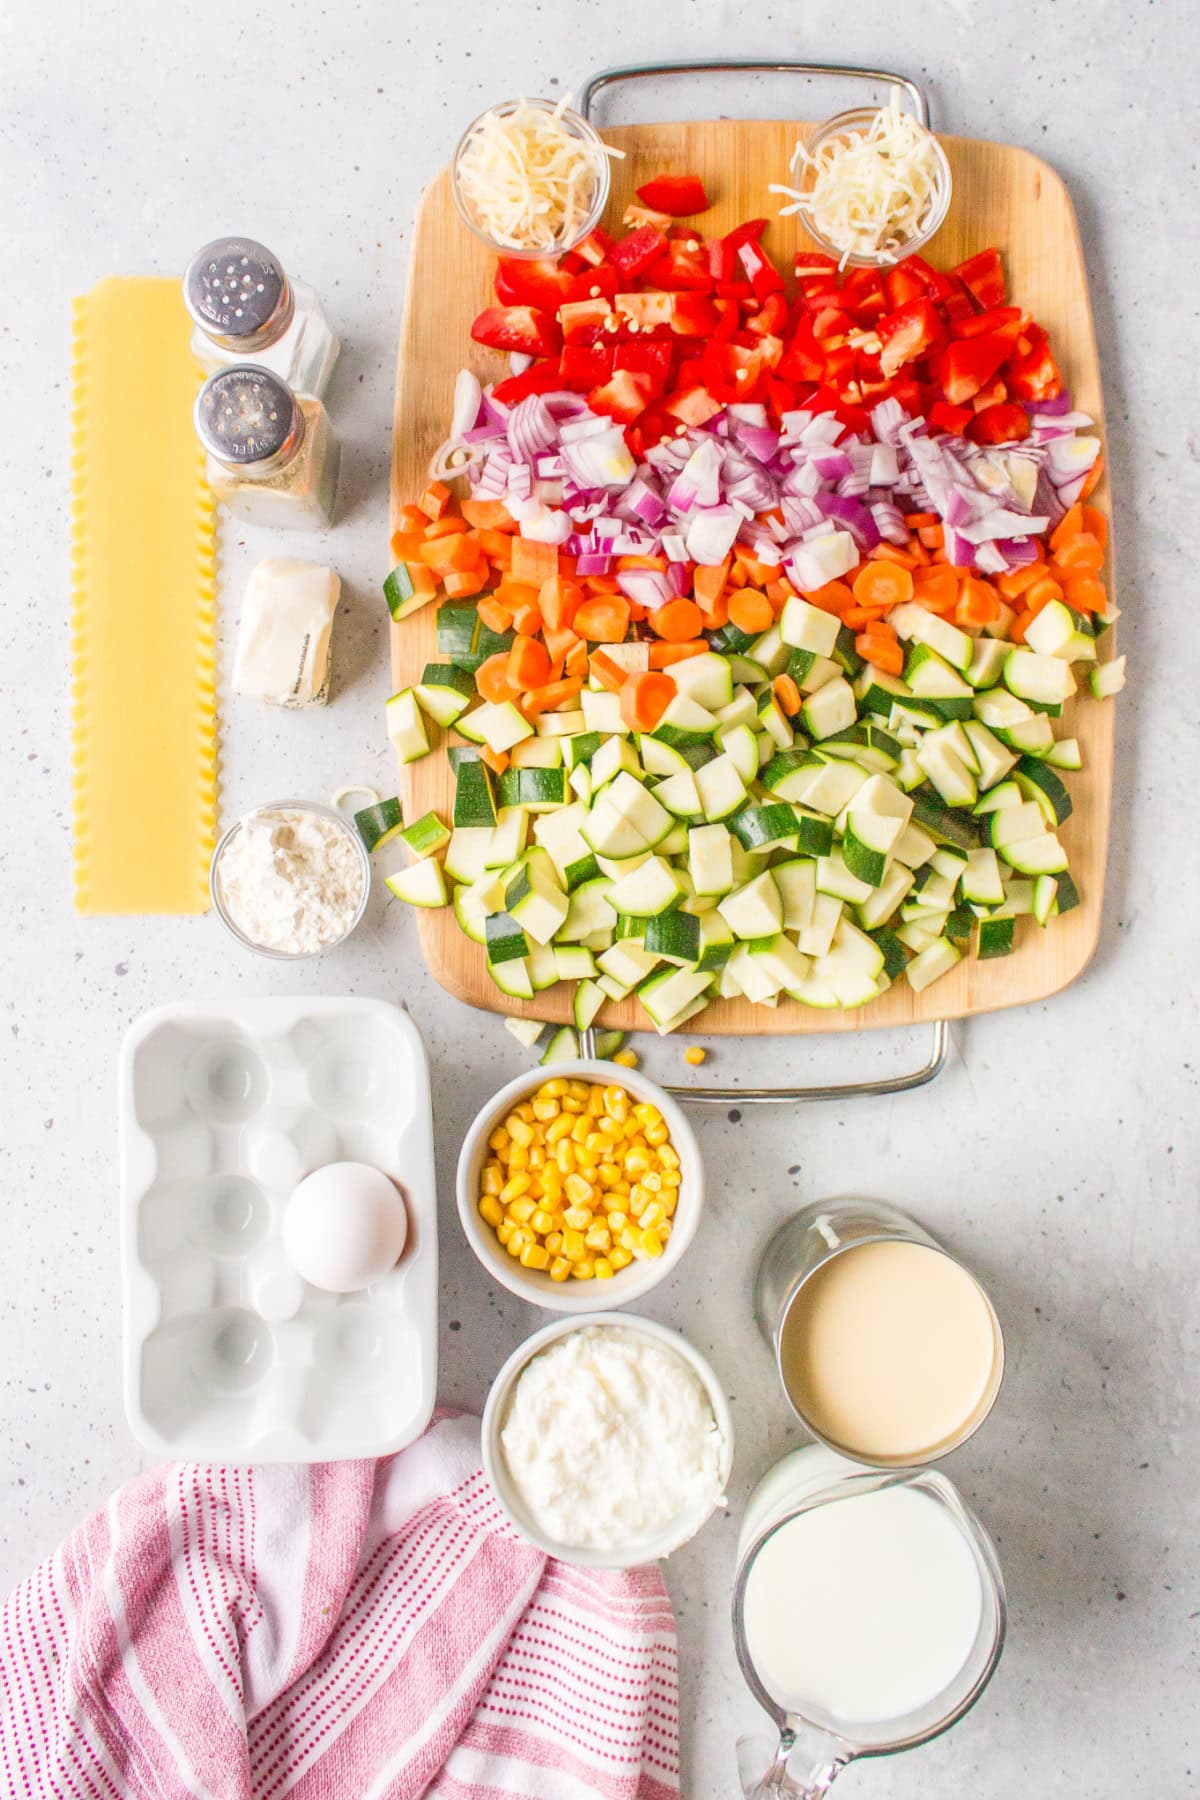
(802, 1765)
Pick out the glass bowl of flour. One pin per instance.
(290, 879)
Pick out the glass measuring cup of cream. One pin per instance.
(868, 1616)
(888, 1349)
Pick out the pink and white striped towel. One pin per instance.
(347, 1631)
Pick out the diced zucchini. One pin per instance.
(1107, 678)
(526, 1031)
(720, 787)
(497, 723)
(914, 623)
(534, 897)
(378, 824)
(406, 727)
(423, 884)
(474, 795)
(589, 998)
(426, 836)
(831, 709)
(648, 890)
(932, 963)
(1042, 680)
(995, 937)
(755, 910)
(505, 940)
(563, 1047)
(444, 692)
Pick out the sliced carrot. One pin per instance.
(567, 565)
(448, 526)
(662, 655)
(1095, 522)
(405, 546)
(936, 588)
(642, 562)
(1092, 480)
(533, 562)
(527, 619)
(677, 621)
(931, 536)
(496, 760)
(708, 583)
(751, 611)
(1019, 626)
(859, 618)
(892, 553)
(1013, 584)
(558, 600)
(645, 697)
(882, 653)
(787, 694)
(495, 545)
(488, 515)
(604, 620)
(738, 576)
(1086, 594)
(434, 500)
(1082, 552)
(602, 584)
(512, 593)
(495, 615)
(833, 597)
(1041, 594)
(717, 614)
(411, 518)
(449, 553)
(575, 664)
(883, 584)
(917, 521)
(978, 603)
(556, 696)
(558, 640)
(460, 584)
(491, 677)
(779, 592)
(608, 673)
(1069, 526)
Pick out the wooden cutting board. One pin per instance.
(1003, 196)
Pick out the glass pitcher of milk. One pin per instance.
(868, 1616)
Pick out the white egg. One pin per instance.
(344, 1227)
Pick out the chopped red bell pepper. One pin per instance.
(944, 417)
(1006, 423)
(584, 321)
(1005, 320)
(646, 356)
(596, 247)
(678, 195)
(692, 404)
(1034, 375)
(623, 397)
(968, 363)
(591, 284)
(694, 315)
(908, 333)
(803, 360)
(585, 366)
(764, 276)
(632, 255)
(992, 393)
(831, 322)
(863, 296)
(521, 328)
(731, 371)
(536, 281)
(771, 319)
(683, 267)
(911, 277)
(542, 378)
(983, 277)
(780, 396)
(814, 262)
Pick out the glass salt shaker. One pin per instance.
(246, 310)
(272, 454)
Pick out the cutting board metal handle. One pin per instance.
(649, 71)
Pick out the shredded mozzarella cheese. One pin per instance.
(527, 179)
(870, 193)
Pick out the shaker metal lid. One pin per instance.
(246, 415)
(234, 287)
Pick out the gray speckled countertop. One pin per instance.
(1058, 1153)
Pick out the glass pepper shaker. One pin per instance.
(272, 454)
(245, 310)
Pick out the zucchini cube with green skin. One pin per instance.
(996, 937)
(421, 885)
(740, 711)
(588, 911)
(721, 788)
(834, 877)
(762, 827)
(868, 844)
(533, 790)
(637, 804)
(534, 898)
(673, 936)
(813, 835)
(680, 795)
(467, 854)
(377, 825)
(589, 998)
(426, 836)
(912, 623)
(572, 962)
(1042, 680)
(914, 846)
(1016, 824)
(981, 879)
(936, 686)
(710, 859)
(1058, 631)
(895, 956)
(509, 837)
(987, 664)
(993, 760)
(444, 692)
(878, 693)
(614, 755)
(536, 753)
(602, 713)
(779, 959)
(505, 940)
(526, 1031)
(1066, 898)
(831, 709)
(667, 995)
(797, 884)
(1041, 784)
(936, 960)
(559, 725)
(648, 890)
(497, 723)
(947, 772)
(512, 978)
(770, 652)
(755, 910)
(891, 892)
(1107, 678)
(706, 679)
(1041, 855)
(774, 721)
(740, 744)
(817, 936)
(1064, 753)
(406, 728)
(474, 795)
(625, 965)
(717, 941)
(581, 748)
(803, 626)
(402, 594)
(870, 746)
(790, 774)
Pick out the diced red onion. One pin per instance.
(711, 534)
(645, 587)
(593, 562)
(673, 547)
(853, 515)
(679, 578)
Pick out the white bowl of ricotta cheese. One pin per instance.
(608, 1440)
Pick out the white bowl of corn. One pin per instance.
(580, 1180)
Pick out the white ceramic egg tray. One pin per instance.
(228, 1354)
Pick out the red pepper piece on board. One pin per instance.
(678, 195)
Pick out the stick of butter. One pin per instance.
(285, 631)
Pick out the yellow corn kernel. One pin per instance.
(584, 1269)
(524, 1111)
(555, 1088)
(664, 1230)
(638, 1200)
(599, 1238)
(542, 1221)
(520, 1133)
(493, 1177)
(518, 1240)
(617, 1221)
(573, 1244)
(610, 1173)
(560, 1268)
(578, 1218)
(671, 1180)
(554, 1242)
(657, 1134)
(668, 1157)
(636, 1162)
(581, 1129)
(649, 1244)
(668, 1203)
(560, 1128)
(572, 1106)
(604, 1269)
(504, 1230)
(499, 1139)
(595, 1145)
(627, 1059)
(537, 1156)
(619, 1258)
(518, 1157)
(490, 1210)
(535, 1256)
(578, 1090)
(545, 1110)
(579, 1191)
(695, 1056)
(515, 1187)
(619, 1193)
(616, 1103)
(646, 1114)
(629, 1239)
(564, 1156)
(595, 1102)
(651, 1215)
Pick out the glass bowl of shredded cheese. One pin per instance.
(873, 185)
(531, 177)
